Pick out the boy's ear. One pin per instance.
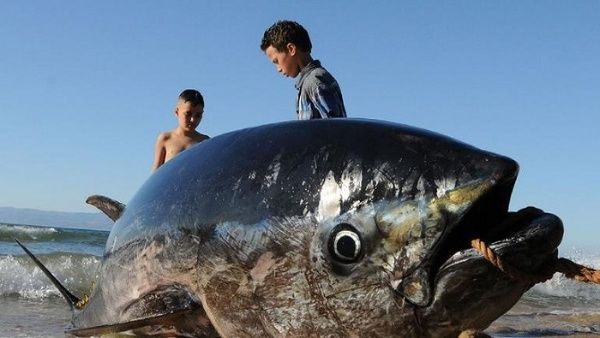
(291, 48)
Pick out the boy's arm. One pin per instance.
(159, 151)
(328, 101)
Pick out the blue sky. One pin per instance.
(86, 86)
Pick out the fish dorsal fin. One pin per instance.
(69, 297)
(111, 208)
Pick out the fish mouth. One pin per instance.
(527, 238)
(466, 284)
(485, 220)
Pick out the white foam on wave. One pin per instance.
(19, 276)
(561, 286)
(28, 230)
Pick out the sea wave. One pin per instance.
(10, 231)
(566, 288)
(19, 276)
(31, 233)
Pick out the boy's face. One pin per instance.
(287, 62)
(188, 116)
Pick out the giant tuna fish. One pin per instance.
(323, 228)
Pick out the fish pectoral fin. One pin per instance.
(111, 208)
(161, 300)
(168, 310)
(145, 326)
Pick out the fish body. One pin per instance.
(321, 228)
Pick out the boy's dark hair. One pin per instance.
(192, 96)
(283, 32)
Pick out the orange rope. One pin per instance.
(578, 272)
(568, 268)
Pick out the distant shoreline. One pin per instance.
(36, 217)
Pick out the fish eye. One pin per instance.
(345, 243)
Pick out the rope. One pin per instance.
(578, 272)
(568, 268)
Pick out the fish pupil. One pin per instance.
(346, 247)
(345, 243)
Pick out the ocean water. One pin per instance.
(30, 306)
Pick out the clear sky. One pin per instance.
(86, 86)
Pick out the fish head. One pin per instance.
(355, 231)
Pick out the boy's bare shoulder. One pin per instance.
(199, 137)
(164, 136)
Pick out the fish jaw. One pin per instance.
(470, 293)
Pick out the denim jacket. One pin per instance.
(319, 95)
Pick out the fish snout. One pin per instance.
(467, 285)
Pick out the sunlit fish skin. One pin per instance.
(322, 228)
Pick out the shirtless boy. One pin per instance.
(188, 110)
